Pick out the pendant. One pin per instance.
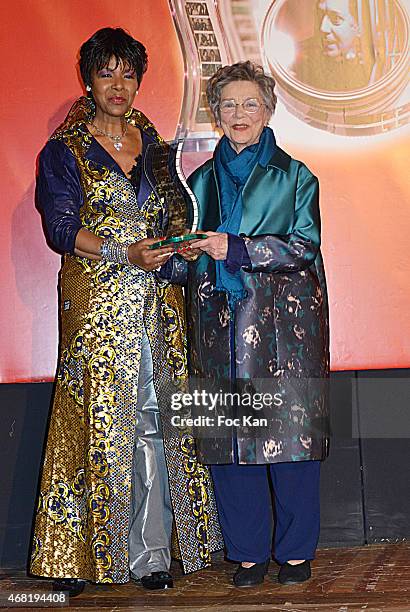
(118, 145)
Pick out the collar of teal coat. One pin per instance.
(268, 197)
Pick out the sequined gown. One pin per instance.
(109, 313)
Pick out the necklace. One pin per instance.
(116, 139)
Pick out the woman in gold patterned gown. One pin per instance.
(117, 478)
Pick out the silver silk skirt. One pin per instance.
(151, 511)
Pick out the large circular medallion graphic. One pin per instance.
(341, 65)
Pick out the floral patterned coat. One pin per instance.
(277, 340)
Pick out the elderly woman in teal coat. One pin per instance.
(257, 305)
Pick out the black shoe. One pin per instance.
(157, 580)
(72, 586)
(293, 574)
(251, 576)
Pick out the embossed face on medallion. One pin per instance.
(114, 88)
(338, 28)
(243, 113)
(341, 65)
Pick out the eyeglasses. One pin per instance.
(250, 106)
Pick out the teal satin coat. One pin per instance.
(277, 340)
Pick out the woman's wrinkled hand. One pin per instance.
(216, 245)
(139, 254)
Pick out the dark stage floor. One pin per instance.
(372, 578)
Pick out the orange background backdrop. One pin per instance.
(365, 189)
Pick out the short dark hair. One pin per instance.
(106, 43)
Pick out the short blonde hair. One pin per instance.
(241, 71)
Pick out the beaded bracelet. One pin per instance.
(114, 251)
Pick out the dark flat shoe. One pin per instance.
(72, 586)
(293, 574)
(251, 576)
(157, 580)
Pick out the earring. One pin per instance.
(88, 87)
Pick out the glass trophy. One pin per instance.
(164, 171)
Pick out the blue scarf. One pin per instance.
(233, 170)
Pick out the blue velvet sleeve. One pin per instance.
(237, 256)
(59, 194)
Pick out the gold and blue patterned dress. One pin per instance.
(107, 309)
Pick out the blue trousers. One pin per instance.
(245, 510)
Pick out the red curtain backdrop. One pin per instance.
(364, 188)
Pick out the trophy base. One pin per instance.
(175, 240)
